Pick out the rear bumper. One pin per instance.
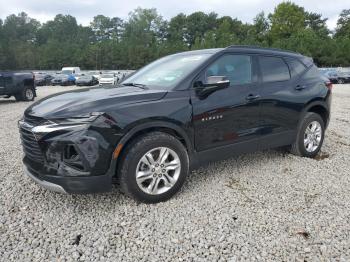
(72, 185)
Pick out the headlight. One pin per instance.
(71, 123)
(81, 119)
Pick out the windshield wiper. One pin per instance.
(135, 84)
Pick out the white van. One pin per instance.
(70, 70)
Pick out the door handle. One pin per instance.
(300, 87)
(252, 97)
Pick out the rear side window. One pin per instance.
(273, 69)
(295, 67)
(312, 73)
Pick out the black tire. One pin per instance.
(27, 94)
(340, 81)
(298, 148)
(131, 157)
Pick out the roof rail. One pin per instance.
(262, 48)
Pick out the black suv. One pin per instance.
(174, 114)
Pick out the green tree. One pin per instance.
(225, 34)
(106, 28)
(343, 24)
(318, 24)
(260, 29)
(110, 43)
(197, 24)
(143, 36)
(287, 19)
(18, 41)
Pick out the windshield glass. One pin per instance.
(107, 76)
(67, 72)
(166, 72)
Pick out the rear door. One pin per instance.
(280, 100)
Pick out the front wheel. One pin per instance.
(153, 167)
(310, 136)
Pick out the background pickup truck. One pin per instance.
(19, 85)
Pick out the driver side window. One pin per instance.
(236, 68)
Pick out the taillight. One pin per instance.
(329, 85)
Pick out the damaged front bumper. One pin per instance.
(70, 158)
(71, 185)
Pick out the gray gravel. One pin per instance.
(263, 206)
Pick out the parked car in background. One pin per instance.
(63, 80)
(86, 80)
(171, 116)
(19, 85)
(96, 74)
(332, 76)
(43, 79)
(344, 77)
(108, 79)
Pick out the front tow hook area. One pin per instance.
(45, 184)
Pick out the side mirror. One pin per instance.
(213, 84)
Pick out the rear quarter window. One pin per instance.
(312, 73)
(295, 67)
(273, 69)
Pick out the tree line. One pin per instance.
(113, 43)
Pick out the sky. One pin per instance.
(85, 10)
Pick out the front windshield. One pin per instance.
(67, 72)
(107, 76)
(167, 72)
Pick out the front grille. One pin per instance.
(30, 146)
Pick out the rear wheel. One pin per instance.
(153, 168)
(27, 94)
(310, 136)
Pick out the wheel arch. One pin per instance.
(28, 82)
(144, 128)
(319, 107)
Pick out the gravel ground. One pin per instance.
(263, 206)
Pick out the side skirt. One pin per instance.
(223, 152)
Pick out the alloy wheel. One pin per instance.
(158, 170)
(29, 94)
(312, 136)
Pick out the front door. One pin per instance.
(228, 117)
